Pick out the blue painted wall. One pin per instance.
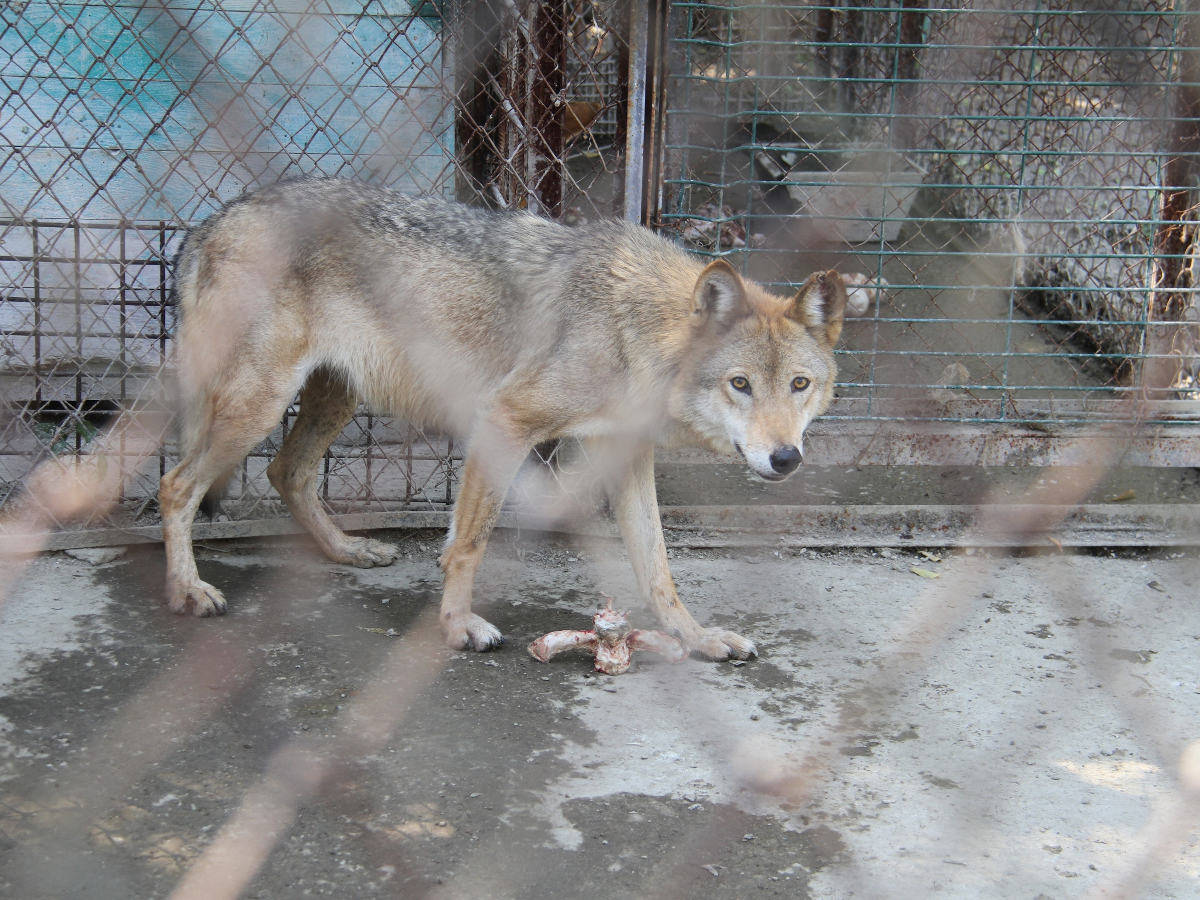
(110, 109)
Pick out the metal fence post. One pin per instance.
(547, 106)
(635, 129)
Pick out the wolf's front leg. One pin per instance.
(492, 461)
(636, 507)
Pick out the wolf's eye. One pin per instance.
(800, 383)
(740, 383)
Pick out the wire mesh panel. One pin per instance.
(1020, 175)
(125, 122)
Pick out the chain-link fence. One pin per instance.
(925, 721)
(125, 122)
(1021, 175)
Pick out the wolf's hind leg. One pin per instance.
(494, 457)
(237, 415)
(326, 405)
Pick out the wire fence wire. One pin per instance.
(1021, 174)
(126, 122)
(1021, 177)
(1001, 168)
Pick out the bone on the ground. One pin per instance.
(556, 642)
(611, 642)
(613, 659)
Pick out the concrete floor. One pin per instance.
(1013, 727)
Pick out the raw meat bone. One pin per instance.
(611, 641)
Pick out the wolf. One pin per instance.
(501, 328)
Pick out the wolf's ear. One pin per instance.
(820, 305)
(719, 294)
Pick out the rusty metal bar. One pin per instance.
(547, 105)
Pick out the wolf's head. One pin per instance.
(762, 367)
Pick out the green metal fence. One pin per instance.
(1020, 175)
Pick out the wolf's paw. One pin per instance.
(199, 598)
(365, 553)
(717, 643)
(467, 631)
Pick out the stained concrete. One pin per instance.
(918, 724)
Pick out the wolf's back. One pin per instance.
(369, 222)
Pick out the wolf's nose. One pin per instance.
(784, 459)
